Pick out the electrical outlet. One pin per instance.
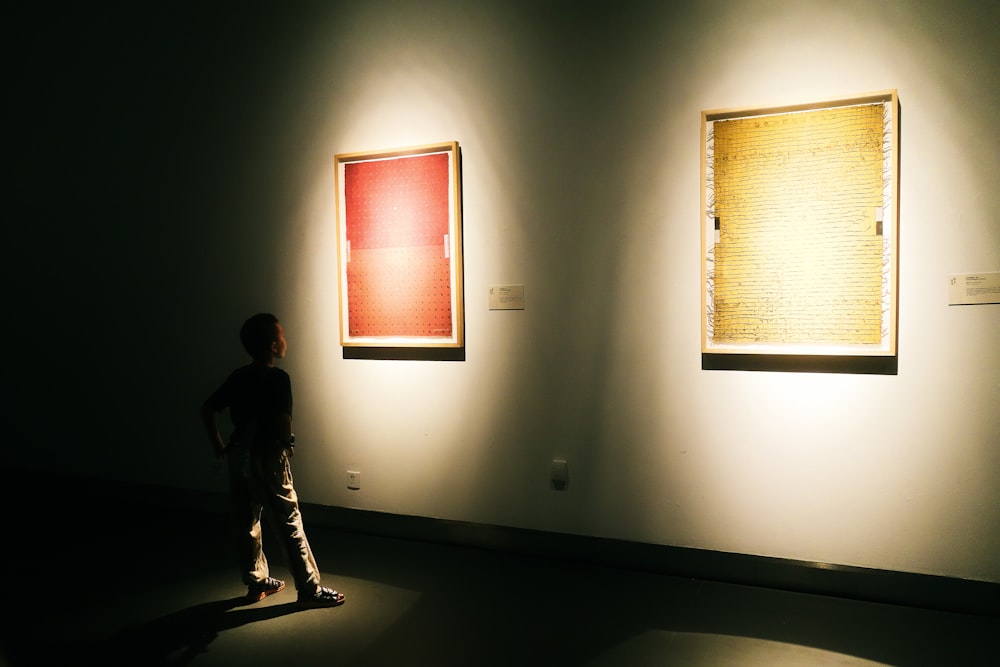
(353, 479)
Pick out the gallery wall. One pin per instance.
(176, 175)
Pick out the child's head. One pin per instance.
(262, 337)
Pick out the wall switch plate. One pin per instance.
(559, 474)
(353, 480)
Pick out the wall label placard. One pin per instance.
(507, 297)
(970, 289)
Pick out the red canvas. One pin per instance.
(398, 273)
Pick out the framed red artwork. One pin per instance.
(399, 230)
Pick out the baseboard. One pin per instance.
(867, 584)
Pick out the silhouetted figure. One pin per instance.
(259, 398)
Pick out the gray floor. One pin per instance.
(158, 587)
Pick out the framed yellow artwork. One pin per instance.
(800, 230)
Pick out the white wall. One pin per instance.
(580, 142)
(579, 131)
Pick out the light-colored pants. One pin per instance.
(261, 479)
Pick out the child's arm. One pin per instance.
(285, 433)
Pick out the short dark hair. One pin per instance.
(257, 334)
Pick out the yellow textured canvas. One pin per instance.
(799, 250)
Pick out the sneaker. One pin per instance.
(260, 590)
(321, 597)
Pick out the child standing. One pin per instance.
(259, 398)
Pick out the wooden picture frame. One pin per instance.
(399, 245)
(799, 229)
